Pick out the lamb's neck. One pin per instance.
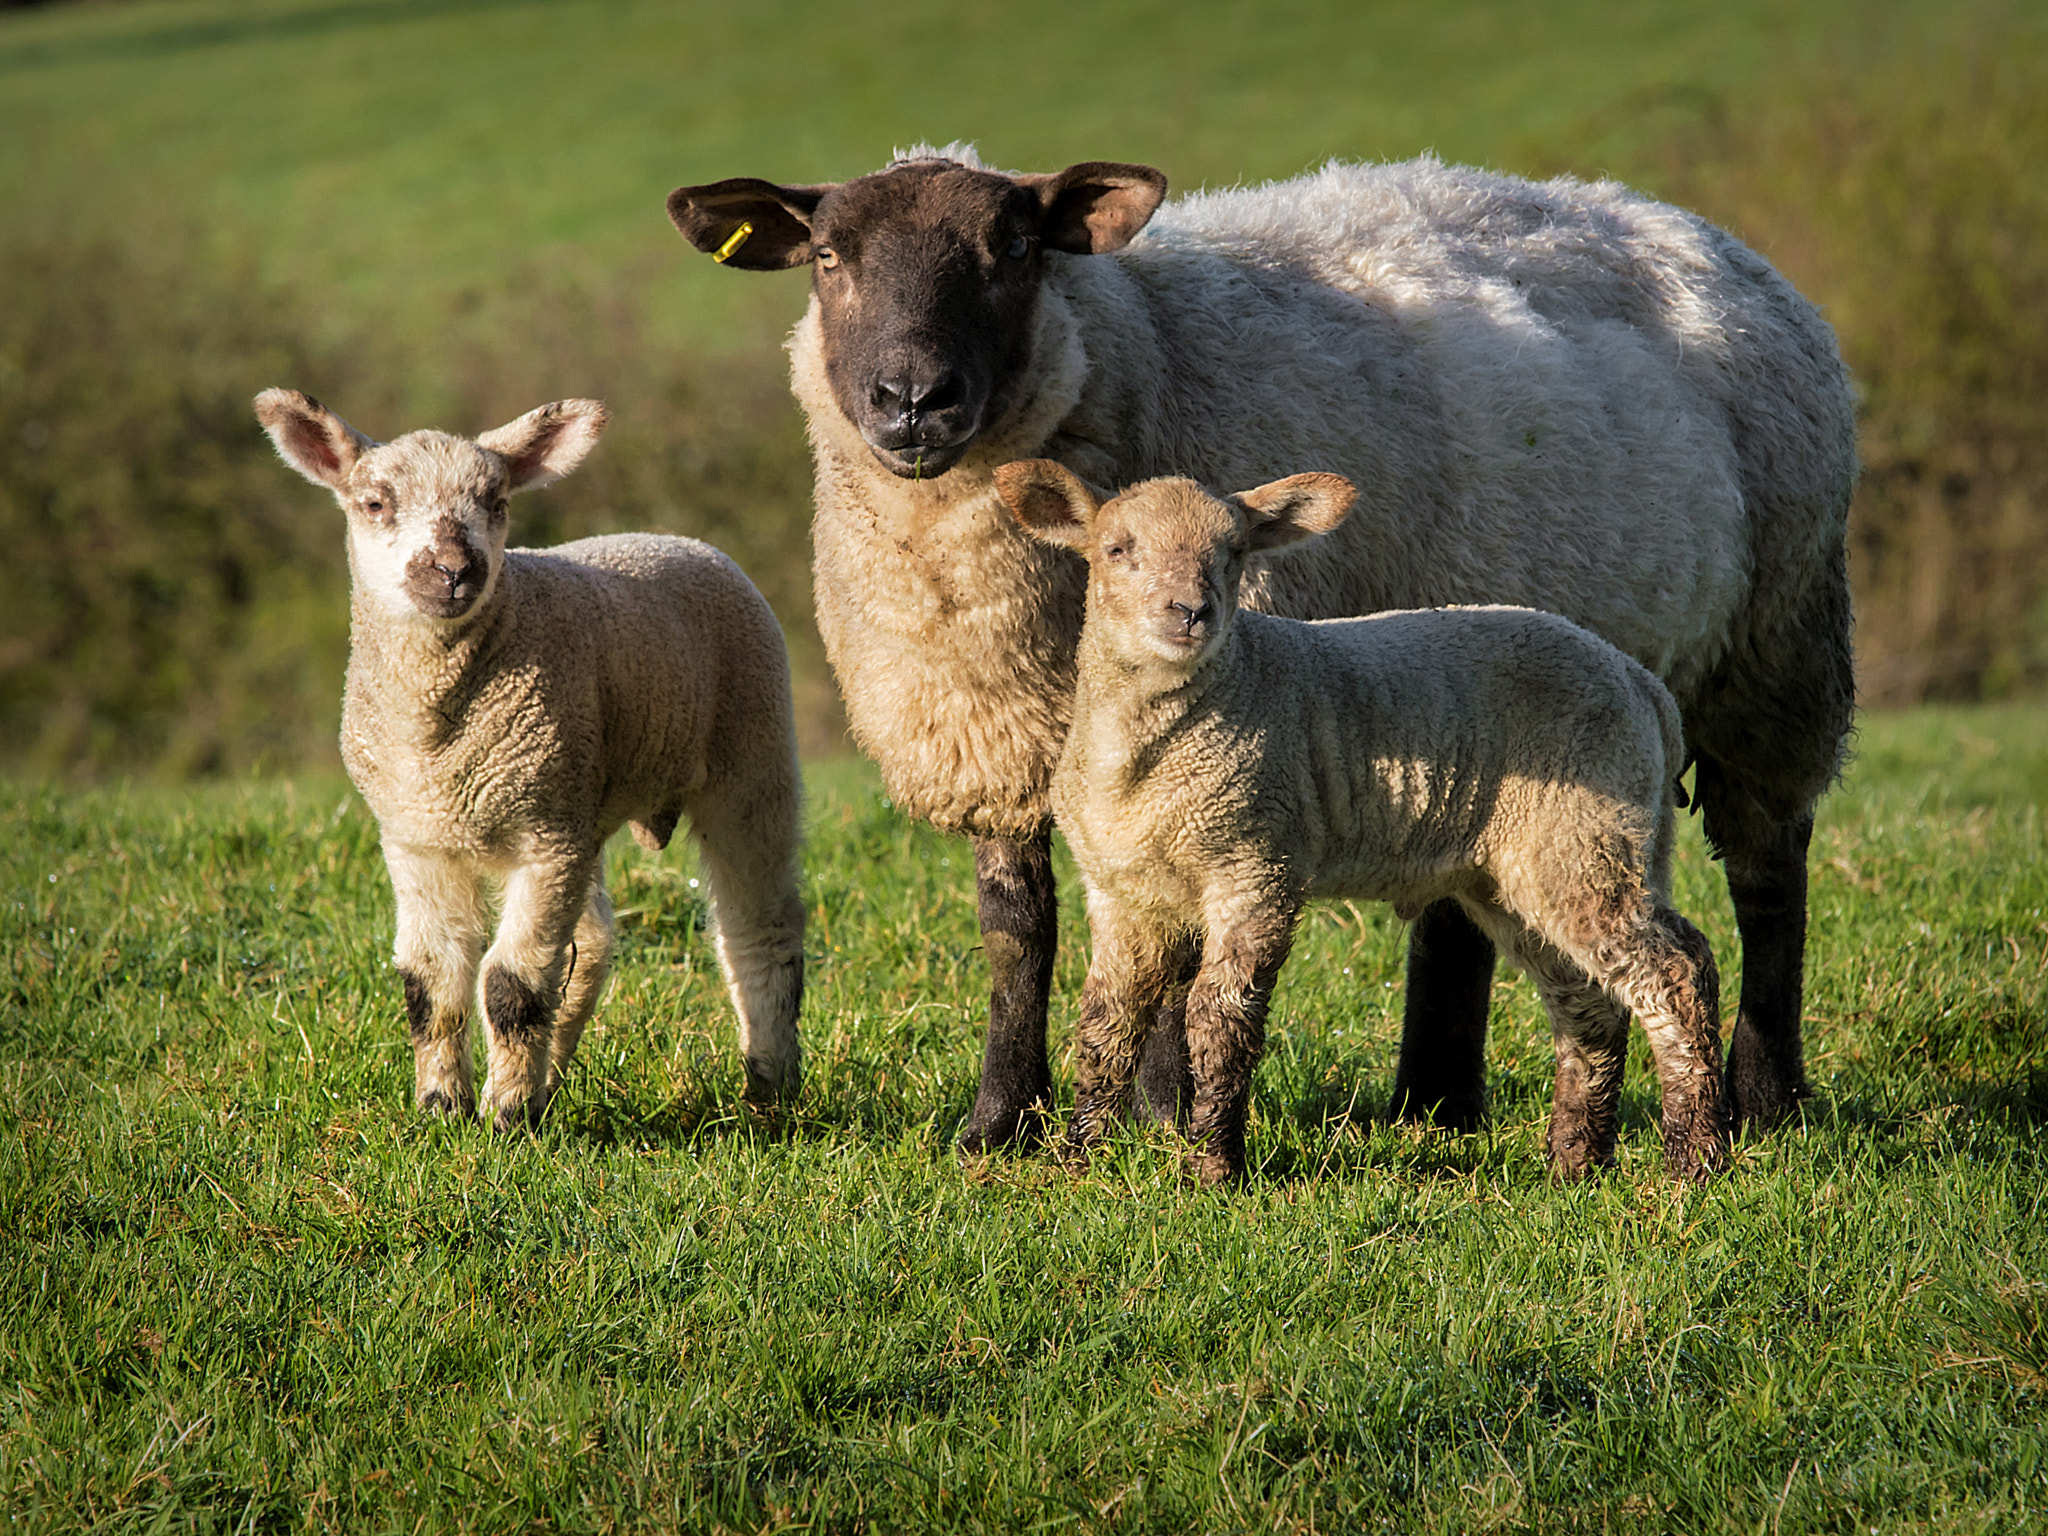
(1128, 713)
(417, 677)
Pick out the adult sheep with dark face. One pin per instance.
(1562, 396)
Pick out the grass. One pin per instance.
(242, 1286)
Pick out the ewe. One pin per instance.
(507, 710)
(1561, 395)
(1224, 767)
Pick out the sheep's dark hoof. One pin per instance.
(1006, 1121)
(1762, 1094)
(1461, 1112)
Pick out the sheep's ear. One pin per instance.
(1097, 206)
(1297, 508)
(711, 218)
(548, 442)
(310, 437)
(1050, 500)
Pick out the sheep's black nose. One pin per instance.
(904, 396)
(1190, 617)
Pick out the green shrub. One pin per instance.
(1909, 196)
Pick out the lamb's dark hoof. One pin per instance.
(1460, 1112)
(1000, 1122)
(524, 1115)
(438, 1103)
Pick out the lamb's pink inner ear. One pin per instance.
(309, 437)
(1299, 507)
(546, 443)
(1050, 500)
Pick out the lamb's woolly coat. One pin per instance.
(1406, 757)
(1564, 396)
(609, 680)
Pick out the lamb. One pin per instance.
(1562, 395)
(507, 710)
(1224, 767)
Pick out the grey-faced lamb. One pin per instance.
(506, 711)
(1225, 767)
(1561, 395)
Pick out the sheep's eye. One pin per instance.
(826, 257)
(1116, 551)
(1018, 248)
(374, 505)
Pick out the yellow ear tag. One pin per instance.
(733, 242)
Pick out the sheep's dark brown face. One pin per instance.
(927, 276)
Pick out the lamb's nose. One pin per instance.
(1190, 617)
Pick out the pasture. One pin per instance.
(242, 1286)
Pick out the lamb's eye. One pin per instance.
(1116, 551)
(1018, 247)
(826, 257)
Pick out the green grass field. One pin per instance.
(243, 1287)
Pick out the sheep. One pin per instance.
(1224, 767)
(506, 711)
(1561, 395)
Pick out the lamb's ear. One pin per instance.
(547, 442)
(1050, 500)
(310, 437)
(1097, 206)
(777, 221)
(1297, 508)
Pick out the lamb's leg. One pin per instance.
(590, 963)
(1130, 976)
(442, 921)
(1165, 1092)
(1441, 1074)
(1019, 908)
(757, 914)
(1226, 1017)
(1667, 974)
(523, 974)
(1766, 1061)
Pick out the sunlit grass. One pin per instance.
(240, 1282)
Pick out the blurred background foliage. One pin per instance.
(443, 212)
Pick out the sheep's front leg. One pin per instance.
(523, 975)
(1441, 1074)
(1019, 909)
(442, 921)
(1131, 974)
(1226, 1021)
